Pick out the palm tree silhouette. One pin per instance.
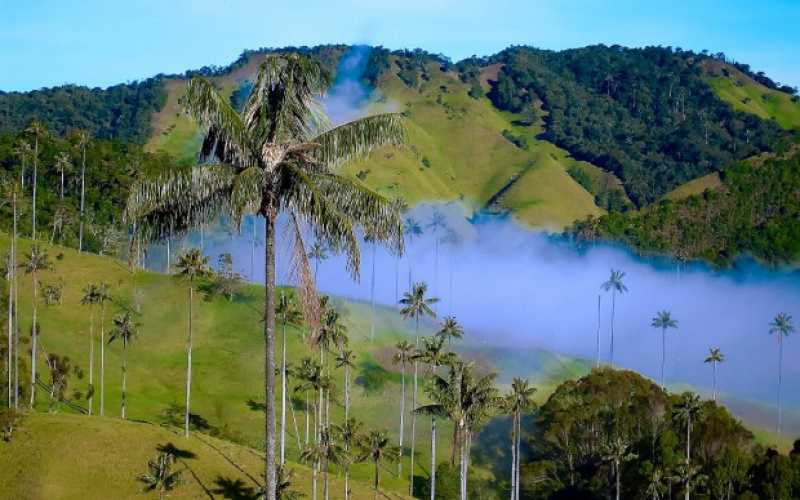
(103, 296)
(349, 433)
(83, 141)
(63, 165)
(91, 297)
(159, 476)
(125, 330)
(279, 154)
(781, 326)
(191, 266)
(377, 449)
(415, 305)
(346, 359)
(662, 321)
(13, 194)
(686, 411)
(405, 352)
(617, 453)
(39, 132)
(615, 285)
(518, 401)
(289, 314)
(317, 253)
(450, 329)
(714, 356)
(37, 261)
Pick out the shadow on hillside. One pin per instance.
(175, 451)
(234, 488)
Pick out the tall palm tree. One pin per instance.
(330, 335)
(412, 229)
(279, 154)
(12, 194)
(64, 165)
(416, 305)
(433, 355)
(377, 449)
(781, 326)
(289, 314)
(103, 296)
(687, 411)
(617, 452)
(9, 272)
(83, 142)
(159, 476)
(405, 352)
(518, 401)
(615, 285)
(306, 373)
(91, 298)
(24, 151)
(656, 486)
(714, 356)
(349, 433)
(662, 321)
(37, 261)
(312, 455)
(450, 329)
(38, 131)
(191, 266)
(317, 253)
(125, 330)
(346, 359)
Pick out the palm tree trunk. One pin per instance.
(519, 453)
(346, 482)
(325, 472)
(313, 481)
(35, 168)
(91, 357)
(83, 196)
(433, 458)
(414, 415)
(372, 297)
(613, 310)
(12, 270)
(397, 280)
(663, 353)
(12, 305)
(463, 467)
(308, 417)
(597, 356)
(616, 470)
(402, 415)
(62, 184)
(346, 392)
(780, 381)
(124, 376)
(513, 455)
(269, 355)
(283, 394)
(102, 358)
(34, 337)
(188, 367)
(714, 368)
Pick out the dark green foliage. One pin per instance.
(372, 377)
(412, 65)
(756, 210)
(580, 419)
(469, 71)
(581, 177)
(120, 112)
(645, 114)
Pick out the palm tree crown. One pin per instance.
(664, 320)
(714, 355)
(782, 325)
(450, 329)
(614, 282)
(192, 265)
(415, 304)
(125, 329)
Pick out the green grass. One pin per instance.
(69, 456)
(745, 94)
(695, 187)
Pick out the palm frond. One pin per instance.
(358, 138)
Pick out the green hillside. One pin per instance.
(746, 94)
(74, 457)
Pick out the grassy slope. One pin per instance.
(69, 456)
(745, 94)
(695, 186)
(227, 334)
(459, 136)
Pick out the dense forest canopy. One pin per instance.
(645, 114)
(756, 210)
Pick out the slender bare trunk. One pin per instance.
(11, 272)
(102, 359)
(597, 356)
(714, 368)
(35, 169)
(433, 458)
(91, 357)
(513, 455)
(346, 392)
(519, 454)
(34, 337)
(269, 355)
(124, 377)
(283, 395)
(402, 415)
(83, 197)
(780, 381)
(663, 353)
(414, 415)
(188, 367)
(613, 311)
(372, 297)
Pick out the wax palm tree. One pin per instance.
(346, 359)
(687, 411)
(284, 477)
(39, 132)
(289, 314)
(517, 402)
(662, 321)
(617, 452)
(433, 355)
(412, 229)
(11, 194)
(691, 477)
(782, 327)
(9, 273)
(450, 329)
(377, 449)
(24, 152)
(405, 352)
(320, 455)
(64, 166)
(331, 334)
(37, 261)
(656, 487)
(103, 296)
(159, 476)
(714, 356)
(615, 285)
(349, 433)
(83, 141)
(91, 297)
(317, 253)
(125, 330)
(278, 155)
(191, 266)
(416, 305)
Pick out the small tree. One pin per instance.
(714, 356)
(615, 285)
(662, 321)
(125, 330)
(159, 476)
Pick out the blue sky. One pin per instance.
(101, 42)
